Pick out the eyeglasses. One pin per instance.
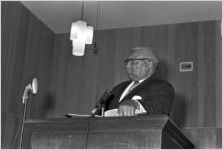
(135, 60)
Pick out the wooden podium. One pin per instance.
(111, 132)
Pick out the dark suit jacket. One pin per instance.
(157, 95)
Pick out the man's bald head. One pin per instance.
(145, 52)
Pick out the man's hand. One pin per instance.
(127, 108)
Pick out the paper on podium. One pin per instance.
(111, 113)
(70, 115)
(114, 113)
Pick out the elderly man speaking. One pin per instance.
(143, 93)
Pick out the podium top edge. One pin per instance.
(142, 117)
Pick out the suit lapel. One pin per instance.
(120, 90)
(123, 89)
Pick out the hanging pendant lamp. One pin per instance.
(80, 35)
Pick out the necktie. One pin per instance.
(135, 83)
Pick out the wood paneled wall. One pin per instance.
(204, 137)
(69, 84)
(26, 51)
(78, 82)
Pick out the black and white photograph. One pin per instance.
(111, 74)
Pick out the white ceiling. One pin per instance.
(58, 15)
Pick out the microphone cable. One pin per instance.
(87, 131)
(88, 125)
(16, 135)
(21, 126)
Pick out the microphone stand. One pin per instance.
(103, 111)
(25, 101)
(88, 124)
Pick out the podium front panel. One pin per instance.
(112, 132)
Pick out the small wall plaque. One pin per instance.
(186, 66)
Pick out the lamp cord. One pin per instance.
(98, 3)
(82, 10)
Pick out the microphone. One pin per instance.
(33, 88)
(105, 97)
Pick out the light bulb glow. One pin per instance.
(80, 35)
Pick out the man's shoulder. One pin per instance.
(120, 87)
(158, 82)
(124, 83)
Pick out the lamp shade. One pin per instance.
(80, 35)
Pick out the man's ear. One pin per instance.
(150, 64)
